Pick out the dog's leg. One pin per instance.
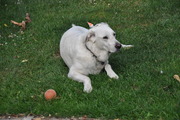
(110, 72)
(81, 78)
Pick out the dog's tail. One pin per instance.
(73, 25)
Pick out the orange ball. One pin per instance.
(50, 94)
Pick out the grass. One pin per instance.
(142, 92)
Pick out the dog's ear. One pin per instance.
(91, 36)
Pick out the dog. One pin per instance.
(86, 51)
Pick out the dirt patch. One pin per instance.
(31, 117)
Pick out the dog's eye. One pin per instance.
(114, 34)
(105, 37)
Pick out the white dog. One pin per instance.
(87, 51)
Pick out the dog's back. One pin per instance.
(70, 43)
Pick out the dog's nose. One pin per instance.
(118, 46)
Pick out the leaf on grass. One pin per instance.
(5, 25)
(23, 23)
(25, 60)
(176, 77)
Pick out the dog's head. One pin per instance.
(104, 37)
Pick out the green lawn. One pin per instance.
(143, 92)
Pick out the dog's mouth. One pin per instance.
(113, 51)
(117, 50)
(110, 52)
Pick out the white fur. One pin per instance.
(127, 46)
(80, 60)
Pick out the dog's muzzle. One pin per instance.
(118, 46)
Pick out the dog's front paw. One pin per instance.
(87, 87)
(114, 76)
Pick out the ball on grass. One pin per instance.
(50, 94)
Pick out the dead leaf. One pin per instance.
(176, 77)
(28, 20)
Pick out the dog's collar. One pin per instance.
(102, 63)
